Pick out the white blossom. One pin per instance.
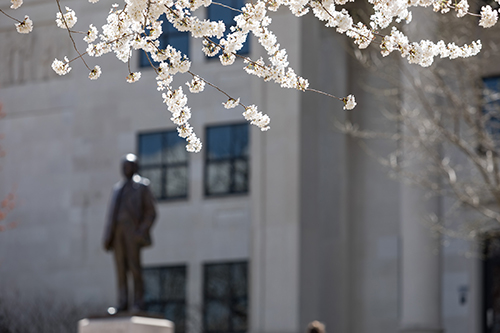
(61, 67)
(91, 34)
(210, 49)
(196, 85)
(97, 50)
(462, 8)
(227, 59)
(95, 73)
(133, 77)
(26, 26)
(194, 144)
(70, 19)
(257, 118)
(349, 102)
(16, 4)
(489, 17)
(185, 130)
(231, 103)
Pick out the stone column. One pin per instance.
(420, 265)
(420, 250)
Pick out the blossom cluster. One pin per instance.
(424, 52)
(136, 27)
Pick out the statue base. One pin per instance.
(125, 323)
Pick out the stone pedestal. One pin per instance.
(125, 324)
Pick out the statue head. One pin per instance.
(129, 166)
(315, 327)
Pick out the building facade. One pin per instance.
(260, 232)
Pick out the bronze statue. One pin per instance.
(131, 215)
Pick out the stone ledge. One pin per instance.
(125, 324)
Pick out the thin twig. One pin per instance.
(226, 6)
(10, 16)
(70, 36)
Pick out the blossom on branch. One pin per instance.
(67, 19)
(349, 102)
(95, 73)
(91, 34)
(231, 103)
(133, 77)
(196, 85)
(16, 4)
(60, 67)
(462, 8)
(26, 26)
(257, 118)
(135, 26)
(489, 17)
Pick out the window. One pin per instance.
(165, 293)
(227, 165)
(491, 283)
(163, 159)
(219, 13)
(491, 107)
(170, 36)
(225, 298)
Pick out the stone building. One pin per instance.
(260, 232)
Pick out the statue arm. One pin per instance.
(149, 213)
(109, 229)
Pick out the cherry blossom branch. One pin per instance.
(70, 36)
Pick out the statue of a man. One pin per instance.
(131, 215)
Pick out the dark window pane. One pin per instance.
(240, 141)
(155, 308)
(175, 148)
(166, 151)
(239, 320)
(173, 311)
(240, 175)
(152, 285)
(219, 13)
(165, 288)
(219, 142)
(219, 177)
(173, 37)
(217, 316)
(176, 183)
(226, 298)
(491, 107)
(239, 280)
(217, 277)
(174, 283)
(227, 166)
(143, 59)
(180, 43)
(150, 149)
(154, 176)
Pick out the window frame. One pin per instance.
(232, 299)
(163, 303)
(231, 159)
(492, 124)
(163, 166)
